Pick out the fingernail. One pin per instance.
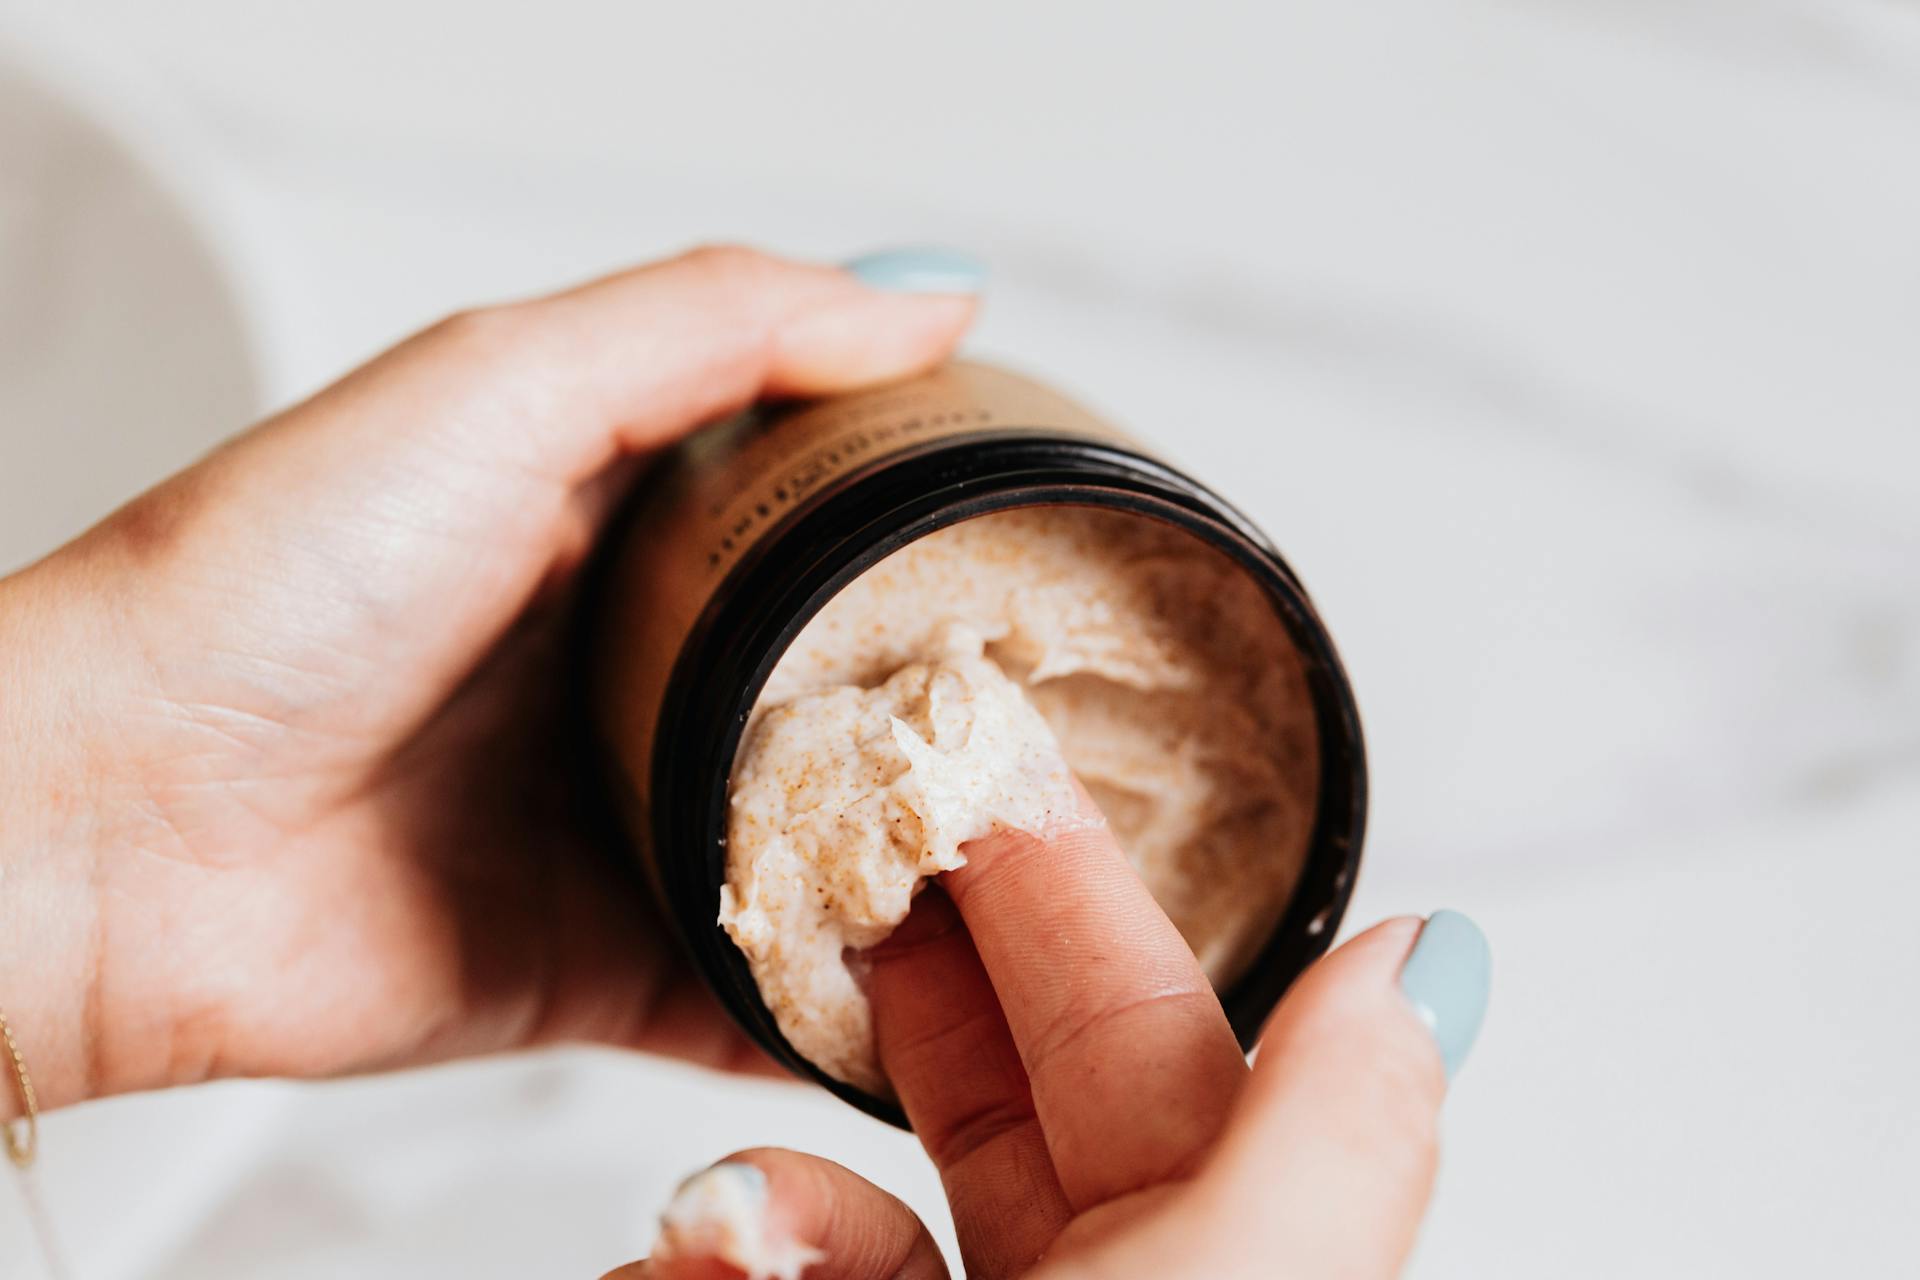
(926, 269)
(722, 1214)
(1446, 979)
(713, 1212)
(734, 1178)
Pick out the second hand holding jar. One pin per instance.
(837, 640)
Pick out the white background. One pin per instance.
(1569, 349)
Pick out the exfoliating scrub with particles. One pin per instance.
(956, 688)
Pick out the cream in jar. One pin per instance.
(946, 692)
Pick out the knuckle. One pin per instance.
(151, 528)
(971, 1132)
(1094, 1029)
(481, 329)
(726, 263)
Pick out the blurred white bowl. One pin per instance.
(120, 320)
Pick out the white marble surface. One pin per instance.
(1568, 349)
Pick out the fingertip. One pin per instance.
(1067, 837)
(641, 1270)
(1347, 1024)
(778, 1214)
(725, 1219)
(866, 338)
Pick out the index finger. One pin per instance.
(1132, 1065)
(934, 1010)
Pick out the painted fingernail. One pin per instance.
(926, 269)
(1446, 978)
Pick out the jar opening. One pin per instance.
(799, 570)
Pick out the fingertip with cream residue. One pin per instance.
(724, 1214)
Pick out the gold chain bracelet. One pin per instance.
(23, 1135)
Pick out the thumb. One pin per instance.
(416, 507)
(561, 385)
(1330, 1156)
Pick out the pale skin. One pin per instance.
(279, 801)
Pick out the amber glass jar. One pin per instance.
(738, 537)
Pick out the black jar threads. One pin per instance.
(739, 537)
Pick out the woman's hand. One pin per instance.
(279, 792)
(1069, 1070)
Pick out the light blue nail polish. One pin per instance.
(1446, 978)
(920, 270)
